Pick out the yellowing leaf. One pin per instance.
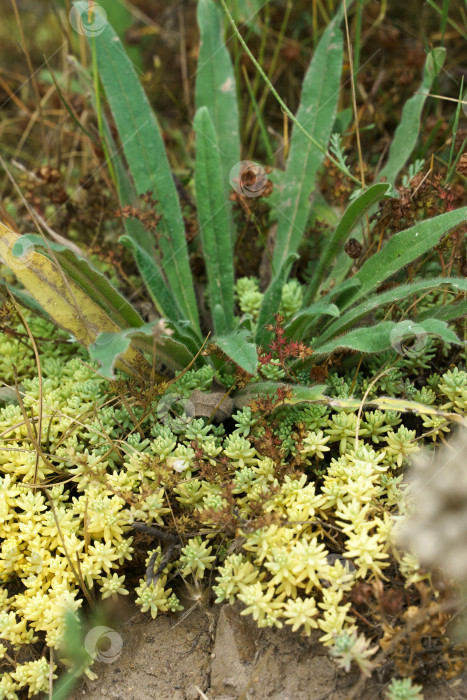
(62, 298)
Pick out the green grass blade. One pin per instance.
(317, 112)
(402, 249)
(216, 87)
(145, 153)
(407, 132)
(213, 221)
(444, 18)
(352, 216)
(260, 121)
(456, 124)
(453, 24)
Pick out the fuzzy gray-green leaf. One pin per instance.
(240, 349)
(216, 90)
(213, 219)
(400, 293)
(383, 336)
(144, 150)
(316, 113)
(402, 249)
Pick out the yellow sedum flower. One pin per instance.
(112, 586)
(301, 613)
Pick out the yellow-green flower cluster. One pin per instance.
(249, 297)
(289, 573)
(54, 540)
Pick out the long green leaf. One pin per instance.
(174, 353)
(125, 187)
(394, 295)
(144, 150)
(445, 313)
(127, 196)
(402, 249)
(213, 221)
(120, 17)
(382, 336)
(185, 334)
(316, 113)
(303, 319)
(352, 216)
(164, 301)
(216, 90)
(407, 132)
(300, 394)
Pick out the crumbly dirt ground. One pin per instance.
(215, 653)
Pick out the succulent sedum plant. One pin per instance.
(309, 533)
